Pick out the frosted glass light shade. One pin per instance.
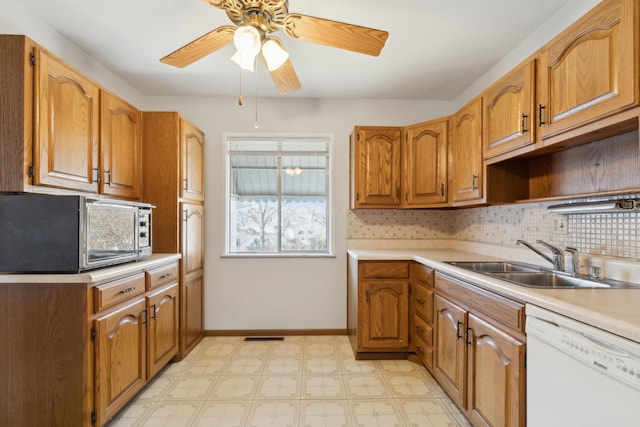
(247, 39)
(243, 60)
(274, 54)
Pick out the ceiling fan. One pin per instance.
(255, 21)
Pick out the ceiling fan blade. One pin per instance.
(335, 34)
(200, 47)
(285, 78)
(223, 4)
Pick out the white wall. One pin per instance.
(289, 293)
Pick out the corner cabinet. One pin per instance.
(424, 164)
(380, 313)
(375, 167)
(466, 153)
(480, 352)
(591, 69)
(173, 181)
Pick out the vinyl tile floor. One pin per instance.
(301, 381)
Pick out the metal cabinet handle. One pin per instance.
(474, 183)
(540, 119)
(107, 181)
(126, 291)
(523, 123)
(153, 311)
(420, 301)
(469, 334)
(458, 334)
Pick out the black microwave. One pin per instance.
(42, 233)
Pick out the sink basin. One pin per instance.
(536, 277)
(547, 279)
(491, 267)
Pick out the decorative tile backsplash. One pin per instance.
(607, 234)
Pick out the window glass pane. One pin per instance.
(278, 195)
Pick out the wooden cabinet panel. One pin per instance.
(161, 276)
(466, 149)
(385, 315)
(496, 385)
(66, 128)
(591, 69)
(423, 302)
(450, 355)
(192, 237)
(375, 167)
(164, 322)
(120, 148)
(424, 164)
(121, 343)
(192, 322)
(382, 269)
(192, 167)
(509, 107)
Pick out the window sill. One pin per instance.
(282, 255)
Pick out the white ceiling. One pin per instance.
(435, 49)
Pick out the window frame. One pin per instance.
(226, 170)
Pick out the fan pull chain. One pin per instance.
(240, 88)
(257, 124)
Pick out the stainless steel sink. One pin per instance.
(534, 276)
(547, 279)
(494, 267)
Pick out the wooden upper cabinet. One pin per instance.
(66, 128)
(120, 148)
(509, 108)
(591, 69)
(425, 164)
(375, 167)
(192, 168)
(466, 149)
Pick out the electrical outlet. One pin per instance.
(560, 224)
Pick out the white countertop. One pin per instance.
(613, 310)
(93, 276)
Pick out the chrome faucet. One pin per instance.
(575, 260)
(557, 258)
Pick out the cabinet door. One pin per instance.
(120, 148)
(449, 365)
(66, 128)
(375, 169)
(164, 322)
(467, 153)
(425, 164)
(192, 237)
(509, 106)
(192, 167)
(121, 343)
(192, 328)
(590, 70)
(496, 382)
(384, 319)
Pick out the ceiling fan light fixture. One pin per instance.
(274, 53)
(247, 40)
(246, 62)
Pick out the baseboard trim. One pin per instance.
(271, 332)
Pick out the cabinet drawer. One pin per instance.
(423, 302)
(119, 290)
(423, 331)
(387, 270)
(162, 275)
(424, 352)
(507, 312)
(423, 274)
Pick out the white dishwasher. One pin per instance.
(578, 375)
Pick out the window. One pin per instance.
(278, 195)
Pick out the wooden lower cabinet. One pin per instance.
(422, 299)
(75, 352)
(164, 321)
(477, 361)
(192, 322)
(121, 344)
